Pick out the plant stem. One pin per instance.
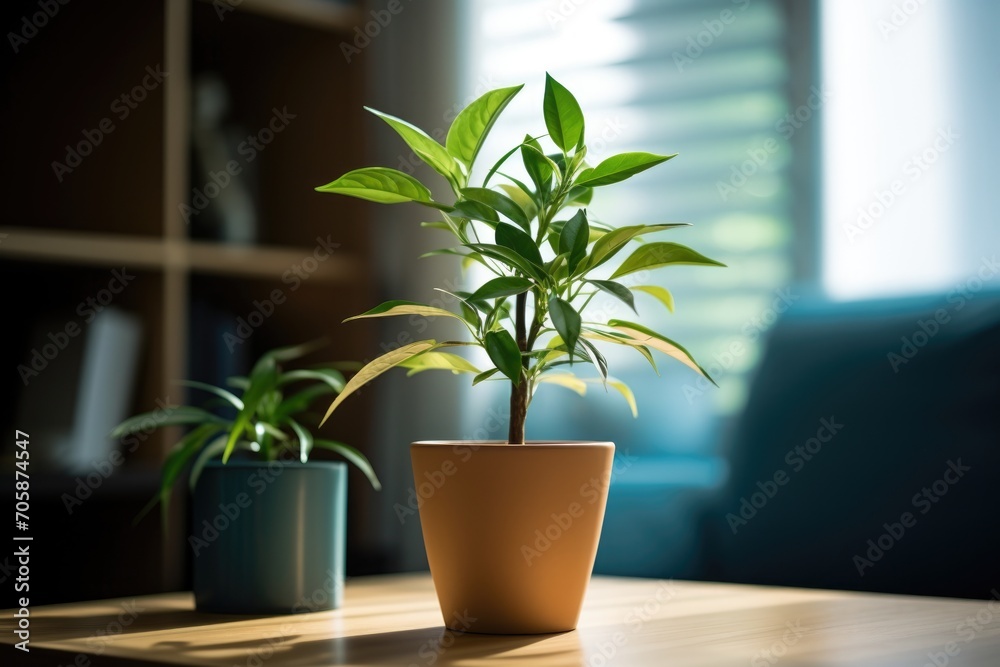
(519, 392)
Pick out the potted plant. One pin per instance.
(268, 528)
(511, 529)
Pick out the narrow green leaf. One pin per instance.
(538, 166)
(510, 258)
(212, 450)
(477, 211)
(520, 242)
(485, 375)
(263, 379)
(174, 464)
(305, 440)
(353, 456)
(655, 255)
(505, 354)
(579, 196)
(621, 339)
(573, 239)
(397, 307)
(662, 294)
(332, 378)
(376, 367)
(383, 186)
(648, 337)
(567, 380)
(563, 116)
(500, 287)
(566, 321)
(611, 243)
(473, 124)
(619, 167)
(617, 290)
(425, 147)
(228, 396)
(625, 391)
(500, 203)
(444, 361)
(170, 416)
(596, 358)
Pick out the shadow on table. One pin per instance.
(421, 646)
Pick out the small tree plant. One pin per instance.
(543, 252)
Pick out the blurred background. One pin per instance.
(161, 224)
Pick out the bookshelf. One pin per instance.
(116, 200)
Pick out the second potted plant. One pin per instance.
(511, 531)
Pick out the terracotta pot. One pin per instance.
(511, 531)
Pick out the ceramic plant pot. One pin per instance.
(511, 531)
(269, 538)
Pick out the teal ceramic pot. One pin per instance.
(268, 538)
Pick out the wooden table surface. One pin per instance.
(394, 620)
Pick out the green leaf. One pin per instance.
(397, 307)
(301, 401)
(563, 116)
(617, 290)
(573, 239)
(380, 365)
(655, 255)
(566, 321)
(522, 197)
(473, 124)
(510, 258)
(648, 337)
(520, 242)
(171, 416)
(485, 375)
(500, 203)
(619, 167)
(353, 456)
(596, 358)
(662, 294)
(425, 147)
(608, 245)
(538, 166)
(230, 397)
(505, 354)
(579, 196)
(444, 361)
(328, 376)
(625, 391)
(269, 429)
(567, 380)
(500, 287)
(174, 464)
(383, 186)
(263, 379)
(621, 339)
(477, 211)
(305, 440)
(212, 450)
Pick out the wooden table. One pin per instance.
(394, 620)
